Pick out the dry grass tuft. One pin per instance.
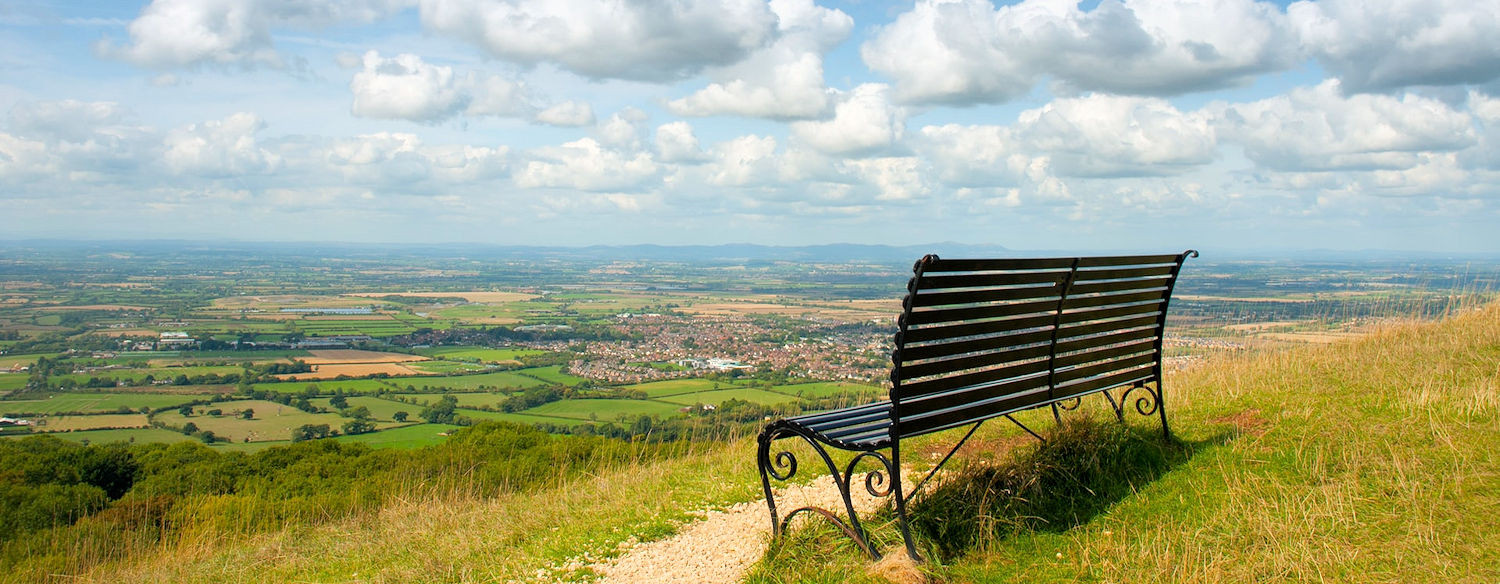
(897, 568)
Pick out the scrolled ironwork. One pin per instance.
(877, 482)
(1145, 405)
(1070, 404)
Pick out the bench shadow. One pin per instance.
(1084, 467)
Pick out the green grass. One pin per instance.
(481, 354)
(272, 421)
(1372, 460)
(9, 381)
(380, 409)
(445, 367)
(759, 396)
(603, 409)
(136, 376)
(523, 418)
(825, 389)
(95, 402)
(670, 387)
(519, 379)
(552, 374)
(411, 436)
(8, 361)
(138, 435)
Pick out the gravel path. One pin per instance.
(724, 544)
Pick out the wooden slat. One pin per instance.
(1118, 379)
(1097, 369)
(847, 420)
(939, 350)
(1096, 262)
(1081, 344)
(926, 317)
(1086, 288)
(1101, 353)
(989, 265)
(814, 418)
(1073, 304)
(1091, 275)
(927, 299)
(941, 384)
(1074, 320)
(969, 397)
(933, 333)
(914, 426)
(990, 280)
(971, 362)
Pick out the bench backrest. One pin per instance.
(982, 338)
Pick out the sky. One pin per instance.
(1039, 124)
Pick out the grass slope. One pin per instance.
(1371, 460)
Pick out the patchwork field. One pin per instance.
(412, 436)
(347, 356)
(142, 435)
(332, 371)
(94, 422)
(94, 402)
(758, 396)
(272, 421)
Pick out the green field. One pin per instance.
(140, 435)
(95, 402)
(8, 361)
(412, 436)
(520, 379)
(9, 381)
(380, 409)
(441, 367)
(136, 376)
(272, 421)
(552, 374)
(830, 388)
(480, 354)
(759, 396)
(522, 418)
(91, 422)
(348, 385)
(672, 387)
(603, 409)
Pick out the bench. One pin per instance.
(980, 339)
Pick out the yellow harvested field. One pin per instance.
(65, 423)
(94, 307)
(331, 371)
(480, 296)
(854, 311)
(341, 356)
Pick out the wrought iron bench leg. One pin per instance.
(782, 466)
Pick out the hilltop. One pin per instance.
(1372, 459)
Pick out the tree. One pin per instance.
(310, 432)
(216, 412)
(338, 401)
(185, 410)
(441, 412)
(358, 427)
(359, 413)
(189, 428)
(248, 414)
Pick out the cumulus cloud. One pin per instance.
(585, 165)
(186, 33)
(864, 122)
(1115, 136)
(608, 39)
(783, 80)
(1378, 46)
(568, 113)
(675, 142)
(969, 51)
(974, 156)
(405, 87)
(219, 148)
(744, 161)
(1319, 128)
(393, 159)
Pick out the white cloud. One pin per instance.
(568, 113)
(893, 178)
(185, 33)
(974, 156)
(623, 129)
(1377, 46)
(219, 148)
(406, 88)
(969, 51)
(586, 165)
(675, 142)
(608, 39)
(1321, 129)
(1115, 136)
(864, 122)
(744, 161)
(783, 80)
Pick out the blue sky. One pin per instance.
(1041, 124)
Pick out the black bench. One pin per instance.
(984, 338)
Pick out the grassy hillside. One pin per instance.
(1371, 460)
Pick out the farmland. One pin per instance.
(349, 344)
